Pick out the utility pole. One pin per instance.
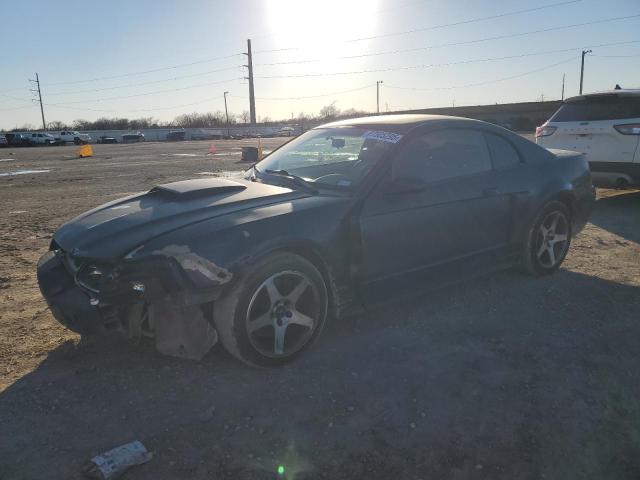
(584, 52)
(562, 87)
(226, 112)
(37, 82)
(378, 95)
(252, 98)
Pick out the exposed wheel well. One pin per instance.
(309, 253)
(567, 199)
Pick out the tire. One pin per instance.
(548, 240)
(263, 327)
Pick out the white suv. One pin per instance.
(605, 126)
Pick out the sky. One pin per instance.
(163, 58)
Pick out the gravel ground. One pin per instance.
(501, 377)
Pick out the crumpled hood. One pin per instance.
(114, 229)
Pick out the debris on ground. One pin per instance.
(114, 463)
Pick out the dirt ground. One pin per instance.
(501, 377)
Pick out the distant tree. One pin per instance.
(245, 116)
(145, 122)
(27, 127)
(57, 125)
(352, 113)
(329, 112)
(80, 124)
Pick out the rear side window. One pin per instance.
(599, 107)
(442, 155)
(503, 154)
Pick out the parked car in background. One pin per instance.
(133, 137)
(206, 134)
(3, 141)
(346, 213)
(176, 135)
(17, 139)
(106, 139)
(42, 139)
(286, 132)
(73, 136)
(605, 126)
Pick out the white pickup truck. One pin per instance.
(73, 136)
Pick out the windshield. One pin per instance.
(336, 157)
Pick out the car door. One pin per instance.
(439, 205)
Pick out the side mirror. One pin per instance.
(401, 186)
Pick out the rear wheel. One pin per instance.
(548, 240)
(274, 312)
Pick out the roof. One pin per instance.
(397, 123)
(620, 92)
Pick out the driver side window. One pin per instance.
(442, 155)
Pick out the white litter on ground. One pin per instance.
(114, 463)
(22, 172)
(7, 159)
(179, 154)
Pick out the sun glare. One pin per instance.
(319, 25)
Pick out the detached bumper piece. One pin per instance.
(71, 305)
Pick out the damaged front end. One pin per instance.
(166, 295)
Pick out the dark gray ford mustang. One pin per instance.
(344, 214)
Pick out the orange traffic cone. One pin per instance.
(212, 150)
(85, 151)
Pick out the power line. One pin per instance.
(615, 56)
(488, 82)
(16, 98)
(467, 42)
(151, 93)
(310, 96)
(414, 67)
(145, 83)
(428, 47)
(465, 22)
(143, 72)
(208, 60)
(199, 102)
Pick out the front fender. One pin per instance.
(219, 249)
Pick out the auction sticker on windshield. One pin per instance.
(382, 136)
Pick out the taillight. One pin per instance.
(628, 129)
(545, 131)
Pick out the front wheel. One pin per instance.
(273, 312)
(548, 240)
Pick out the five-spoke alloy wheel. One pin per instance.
(548, 240)
(274, 311)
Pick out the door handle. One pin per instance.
(490, 192)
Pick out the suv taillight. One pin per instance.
(545, 131)
(628, 129)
